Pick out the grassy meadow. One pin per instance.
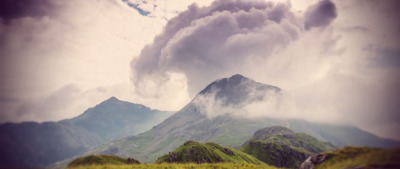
(177, 166)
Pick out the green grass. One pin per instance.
(98, 159)
(363, 157)
(179, 166)
(194, 152)
(276, 154)
(281, 147)
(303, 141)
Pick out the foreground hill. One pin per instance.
(179, 166)
(36, 145)
(194, 152)
(281, 147)
(193, 122)
(101, 160)
(355, 157)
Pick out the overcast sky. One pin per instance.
(337, 61)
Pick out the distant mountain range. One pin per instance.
(114, 127)
(32, 144)
(192, 123)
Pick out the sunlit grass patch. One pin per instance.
(178, 166)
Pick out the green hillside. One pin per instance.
(283, 135)
(195, 152)
(281, 147)
(101, 160)
(192, 123)
(361, 157)
(279, 155)
(37, 145)
(179, 166)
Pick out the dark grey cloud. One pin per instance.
(8, 99)
(12, 9)
(387, 58)
(320, 14)
(211, 42)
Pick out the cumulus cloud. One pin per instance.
(46, 45)
(343, 71)
(218, 40)
(22, 8)
(320, 14)
(326, 74)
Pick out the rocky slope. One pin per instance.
(281, 147)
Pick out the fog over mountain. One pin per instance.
(204, 122)
(334, 61)
(327, 58)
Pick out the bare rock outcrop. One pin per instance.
(313, 160)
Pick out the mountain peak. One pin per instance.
(238, 77)
(236, 89)
(112, 98)
(234, 80)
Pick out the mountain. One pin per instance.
(199, 122)
(31, 144)
(281, 147)
(115, 119)
(101, 160)
(237, 90)
(194, 152)
(355, 157)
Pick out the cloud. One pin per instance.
(10, 9)
(325, 73)
(218, 40)
(46, 45)
(344, 71)
(320, 14)
(246, 99)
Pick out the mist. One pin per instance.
(323, 59)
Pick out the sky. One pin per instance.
(336, 61)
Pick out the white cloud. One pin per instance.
(327, 73)
(84, 43)
(78, 53)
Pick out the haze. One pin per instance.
(336, 61)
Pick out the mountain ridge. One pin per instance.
(191, 123)
(33, 144)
